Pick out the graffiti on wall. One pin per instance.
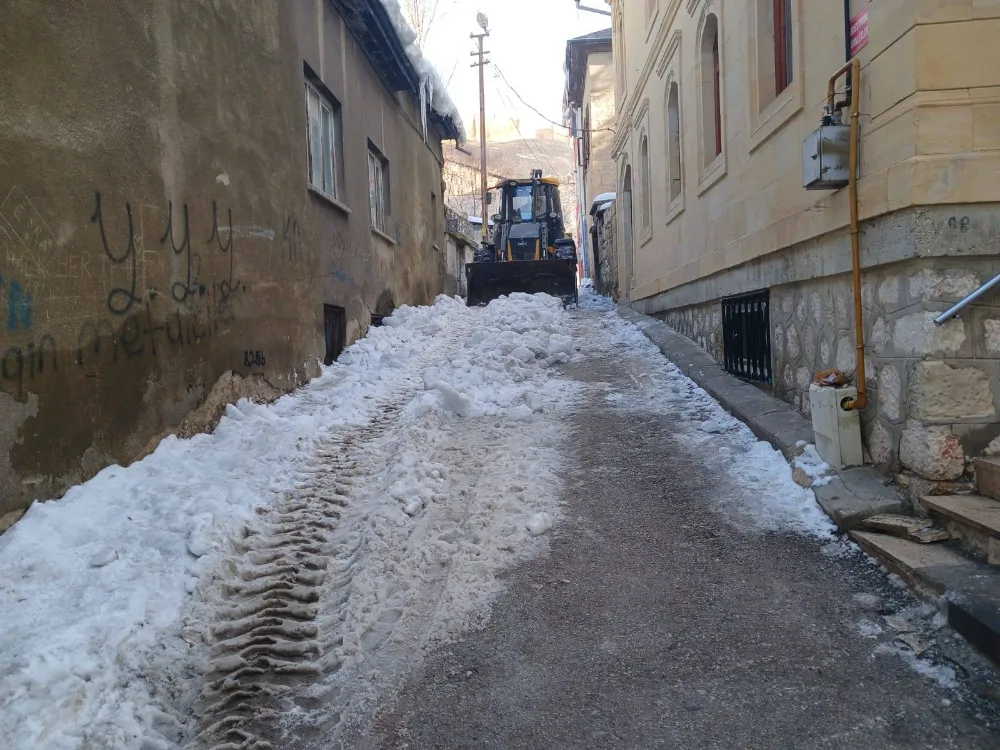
(139, 320)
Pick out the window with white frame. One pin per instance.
(325, 143)
(378, 187)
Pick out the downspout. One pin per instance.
(853, 68)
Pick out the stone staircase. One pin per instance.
(951, 550)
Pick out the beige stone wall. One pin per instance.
(930, 131)
(599, 94)
(935, 389)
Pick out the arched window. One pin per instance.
(644, 186)
(711, 92)
(774, 49)
(628, 236)
(674, 140)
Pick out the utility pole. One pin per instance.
(481, 63)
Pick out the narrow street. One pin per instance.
(693, 597)
(514, 526)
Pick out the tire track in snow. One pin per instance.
(291, 586)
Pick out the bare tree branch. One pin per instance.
(421, 15)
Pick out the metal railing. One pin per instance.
(746, 335)
(955, 309)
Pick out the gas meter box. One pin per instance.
(826, 158)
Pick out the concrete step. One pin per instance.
(971, 590)
(973, 519)
(988, 477)
(906, 559)
(915, 529)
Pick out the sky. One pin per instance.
(527, 42)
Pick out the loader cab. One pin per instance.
(529, 221)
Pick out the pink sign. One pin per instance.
(859, 31)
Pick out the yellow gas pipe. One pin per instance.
(860, 401)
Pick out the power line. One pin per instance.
(537, 112)
(534, 154)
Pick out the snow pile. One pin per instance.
(100, 625)
(503, 371)
(591, 300)
(441, 101)
(816, 470)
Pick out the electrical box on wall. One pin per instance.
(837, 431)
(826, 158)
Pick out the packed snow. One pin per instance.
(108, 593)
(410, 476)
(815, 469)
(756, 489)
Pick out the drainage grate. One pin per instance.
(746, 336)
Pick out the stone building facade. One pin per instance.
(714, 102)
(168, 244)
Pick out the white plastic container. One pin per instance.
(837, 431)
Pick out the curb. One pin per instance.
(971, 592)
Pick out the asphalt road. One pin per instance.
(654, 623)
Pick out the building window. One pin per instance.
(746, 336)
(325, 143)
(644, 186)
(711, 90)
(774, 49)
(378, 187)
(674, 140)
(586, 137)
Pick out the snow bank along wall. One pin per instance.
(156, 229)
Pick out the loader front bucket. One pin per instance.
(487, 281)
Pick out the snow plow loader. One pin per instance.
(529, 250)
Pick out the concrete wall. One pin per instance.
(599, 94)
(160, 254)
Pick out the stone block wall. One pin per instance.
(700, 323)
(934, 389)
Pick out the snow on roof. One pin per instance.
(602, 203)
(441, 102)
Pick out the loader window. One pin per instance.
(540, 203)
(520, 202)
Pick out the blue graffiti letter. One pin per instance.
(18, 308)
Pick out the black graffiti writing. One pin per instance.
(226, 286)
(183, 291)
(290, 237)
(961, 224)
(253, 359)
(29, 362)
(120, 300)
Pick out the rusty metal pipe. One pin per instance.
(860, 401)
